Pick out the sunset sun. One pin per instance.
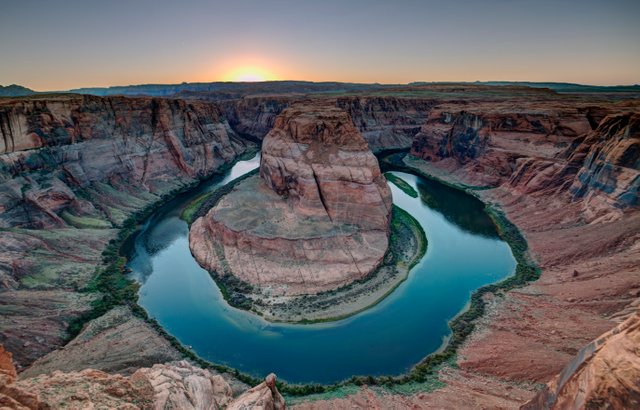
(248, 74)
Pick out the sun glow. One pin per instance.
(248, 74)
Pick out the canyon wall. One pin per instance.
(541, 152)
(55, 148)
(387, 122)
(72, 170)
(384, 122)
(484, 140)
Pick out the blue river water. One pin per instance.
(464, 253)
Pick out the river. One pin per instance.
(464, 253)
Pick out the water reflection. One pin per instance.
(459, 208)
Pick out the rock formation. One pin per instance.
(387, 122)
(175, 385)
(601, 169)
(604, 374)
(56, 148)
(485, 139)
(81, 165)
(317, 218)
(263, 396)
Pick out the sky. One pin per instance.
(59, 45)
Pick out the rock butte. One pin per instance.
(316, 219)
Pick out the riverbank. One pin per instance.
(407, 246)
(114, 295)
(415, 380)
(587, 284)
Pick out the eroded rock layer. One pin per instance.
(174, 385)
(316, 219)
(72, 170)
(604, 374)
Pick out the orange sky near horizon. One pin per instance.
(76, 43)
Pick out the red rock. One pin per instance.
(263, 396)
(317, 219)
(604, 374)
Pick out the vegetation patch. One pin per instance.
(402, 184)
(201, 205)
(84, 222)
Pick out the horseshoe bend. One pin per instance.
(252, 243)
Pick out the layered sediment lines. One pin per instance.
(72, 170)
(385, 122)
(544, 151)
(316, 219)
(56, 147)
(604, 373)
(174, 385)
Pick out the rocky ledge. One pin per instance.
(316, 219)
(175, 385)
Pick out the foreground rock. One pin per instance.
(175, 385)
(263, 396)
(604, 374)
(118, 342)
(315, 220)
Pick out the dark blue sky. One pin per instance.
(73, 43)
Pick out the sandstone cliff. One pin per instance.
(254, 117)
(384, 122)
(317, 159)
(55, 147)
(601, 169)
(72, 169)
(317, 219)
(604, 374)
(485, 140)
(387, 122)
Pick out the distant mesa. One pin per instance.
(15, 90)
(316, 218)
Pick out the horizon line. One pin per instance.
(419, 82)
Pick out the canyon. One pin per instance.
(564, 168)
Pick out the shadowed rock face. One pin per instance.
(486, 140)
(316, 219)
(387, 122)
(58, 146)
(601, 169)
